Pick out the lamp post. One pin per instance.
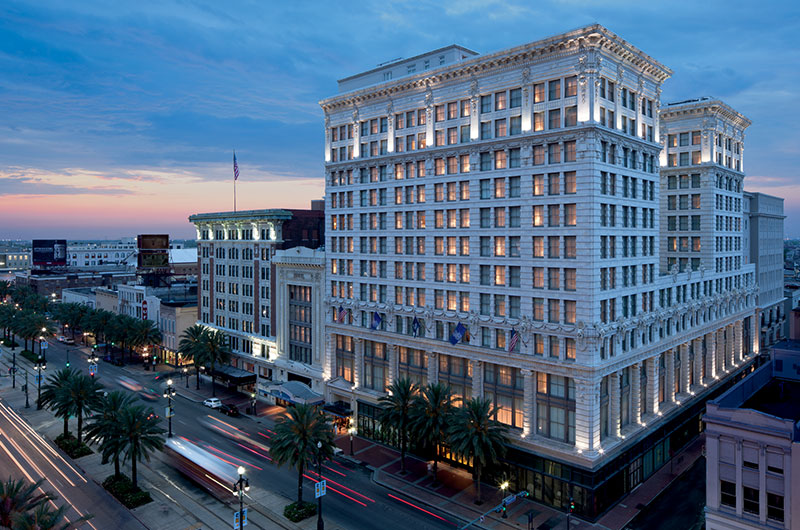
(253, 403)
(13, 365)
(40, 365)
(186, 376)
(320, 522)
(169, 393)
(352, 431)
(27, 402)
(145, 354)
(503, 488)
(240, 487)
(93, 359)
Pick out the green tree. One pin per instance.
(140, 436)
(42, 517)
(145, 333)
(214, 351)
(295, 440)
(19, 496)
(396, 409)
(5, 289)
(430, 414)
(84, 394)
(191, 344)
(103, 428)
(6, 319)
(474, 435)
(56, 396)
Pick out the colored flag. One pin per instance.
(458, 334)
(376, 320)
(415, 327)
(235, 167)
(341, 315)
(512, 343)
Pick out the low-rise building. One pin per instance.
(14, 259)
(80, 295)
(51, 283)
(753, 456)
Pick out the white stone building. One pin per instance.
(752, 441)
(766, 251)
(517, 195)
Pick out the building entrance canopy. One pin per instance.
(293, 392)
(234, 376)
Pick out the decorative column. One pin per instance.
(683, 385)
(587, 415)
(528, 404)
(754, 333)
(477, 379)
(651, 393)
(636, 393)
(711, 356)
(697, 367)
(433, 367)
(390, 127)
(358, 362)
(356, 135)
(720, 334)
(737, 341)
(669, 373)
(391, 352)
(329, 368)
(730, 358)
(613, 400)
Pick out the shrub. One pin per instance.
(10, 344)
(69, 444)
(32, 357)
(122, 488)
(296, 513)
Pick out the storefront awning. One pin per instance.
(294, 392)
(337, 410)
(234, 376)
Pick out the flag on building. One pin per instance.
(458, 334)
(235, 167)
(341, 315)
(512, 343)
(415, 327)
(376, 320)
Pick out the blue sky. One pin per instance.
(120, 117)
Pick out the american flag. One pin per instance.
(342, 314)
(235, 167)
(514, 339)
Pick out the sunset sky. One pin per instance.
(120, 117)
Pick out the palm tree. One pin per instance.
(430, 414)
(214, 350)
(104, 427)
(191, 344)
(295, 440)
(19, 496)
(146, 333)
(5, 288)
(84, 394)
(474, 435)
(6, 318)
(42, 517)
(139, 435)
(396, 407)
(55, 395)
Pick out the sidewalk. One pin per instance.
(455, 492)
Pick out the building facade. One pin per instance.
(752, 439)
(50, 283)
(14, 259)
(766, 252)
(500, 223)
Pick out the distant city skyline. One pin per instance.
(122, 119)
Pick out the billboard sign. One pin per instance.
(153, 251)
(49, 252)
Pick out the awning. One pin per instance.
(337, 410)
(234, 376)
(294, 392)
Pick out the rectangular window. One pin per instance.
(727, 493)
(554, 90)
(554, 119)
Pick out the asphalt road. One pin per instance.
(352, 501)
(25, 454)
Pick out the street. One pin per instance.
(352, 501)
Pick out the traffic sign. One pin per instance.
(169, 412)
(44, 344)
(236, 519)
(320, 488)
(36, 379)
(93, 368)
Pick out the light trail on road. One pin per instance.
(421, 509)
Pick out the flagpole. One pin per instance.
(235, 175)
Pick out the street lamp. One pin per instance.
(320, 522)
(253, 403)
(144, 359)
(40, 365)
(169, 393)
(239, 488)
(186, 376)
(503, 488)
(93, 360)
(27, 402)
(352, 431)
(13, 365)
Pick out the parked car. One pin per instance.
(69, 340)
(61, 338)
(230, 410)
(213, 403)
(148, 394)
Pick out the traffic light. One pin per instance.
(505, 514)
(67, 364)
(571, 505)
